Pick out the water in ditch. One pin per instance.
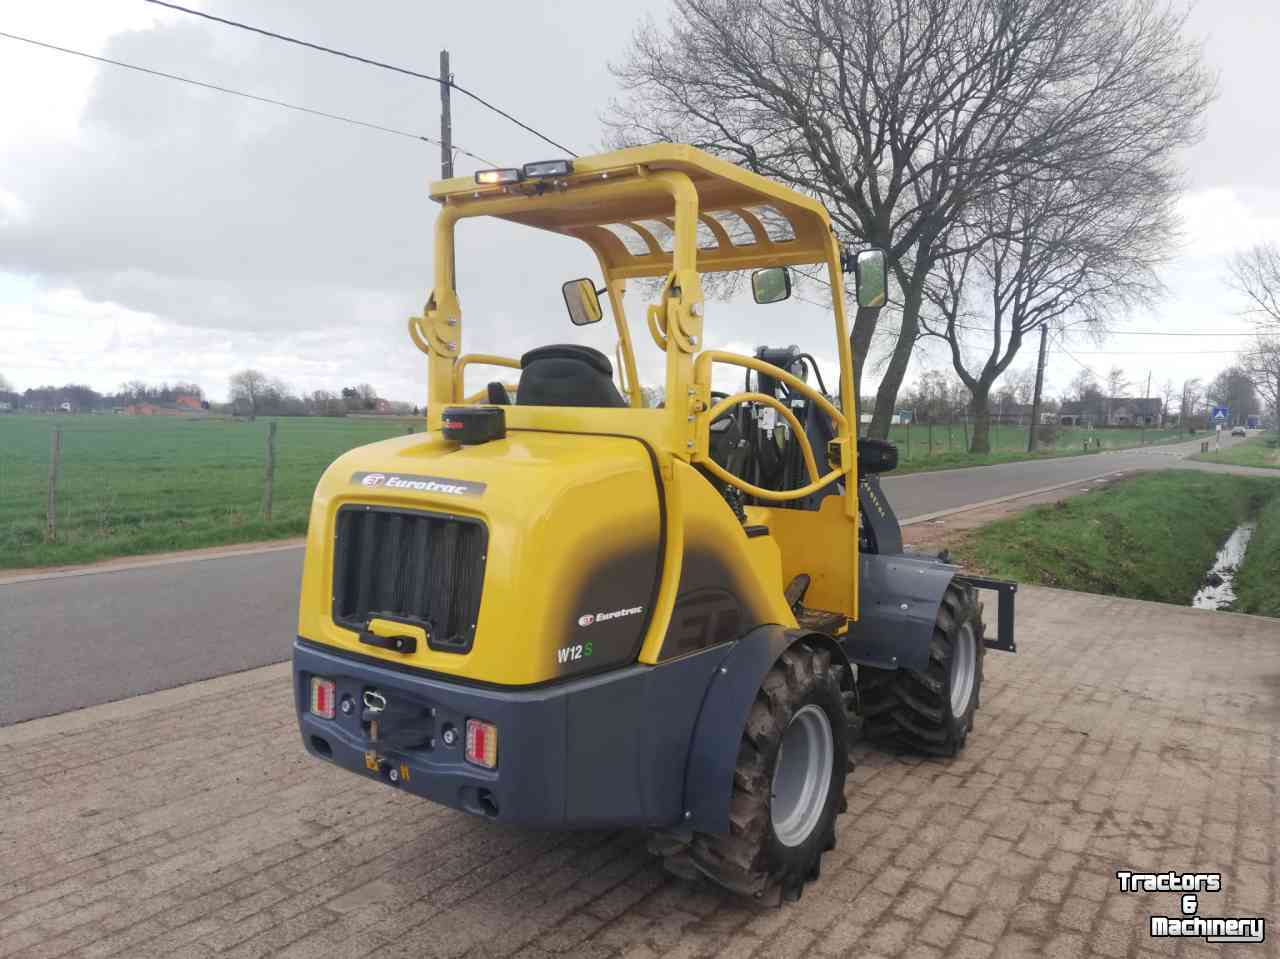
(1218, 591)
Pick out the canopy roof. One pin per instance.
(745, 220)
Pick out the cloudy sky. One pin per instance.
(153, 230)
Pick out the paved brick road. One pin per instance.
(1123, 735)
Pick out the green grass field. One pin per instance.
(1150, 537)
(1252, 452)
(1258, 581)
(948, 449)
(130, 485)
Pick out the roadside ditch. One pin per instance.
(1171, 536)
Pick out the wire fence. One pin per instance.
(921, 441)
(73, 491)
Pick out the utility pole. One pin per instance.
(446, 121)
(1035, 402)
(446, 146)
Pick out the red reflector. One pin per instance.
(482, 743)
(322, 696)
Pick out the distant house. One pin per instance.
(66, 407)
(1136, 412)
(182, 406)
(1113, 411)
(6, 406)
(382, 406)
(1011, 414)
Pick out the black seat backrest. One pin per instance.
(567, 375)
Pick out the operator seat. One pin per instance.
(567, 375)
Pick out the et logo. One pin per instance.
(374, 479)
(587, 619)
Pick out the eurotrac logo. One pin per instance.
(418, 484)
(589, 619)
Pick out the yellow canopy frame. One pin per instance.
(656, 211)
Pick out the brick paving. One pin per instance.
(1123, 735)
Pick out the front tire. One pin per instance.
(788, 786)
(931, 710)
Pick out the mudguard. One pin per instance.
(898, 598)
(713, 754)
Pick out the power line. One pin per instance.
(368, 61)
(1104, 332)
(1158, 352)
(239, 93)
(1178, 333)
(1084, 366)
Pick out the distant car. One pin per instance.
(1239, 431)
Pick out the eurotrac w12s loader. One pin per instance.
(561, 608)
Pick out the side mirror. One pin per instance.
(771, 285)
(583, 302)
(871, 274)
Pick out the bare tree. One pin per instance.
(1234, 389)
(1083, 385)
(1263, 368)
(1255, 274)
(1192, 394)
(1055, 252)
(1117, 383)
(1166, 394)
(249, 388)
(5, 385)
(900, 114)
(1022, 385)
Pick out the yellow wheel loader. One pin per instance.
(561, 607)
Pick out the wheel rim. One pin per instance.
(964, 669)
(801, 776)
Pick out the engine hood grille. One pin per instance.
(411, 566)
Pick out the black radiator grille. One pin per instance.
(419, 568)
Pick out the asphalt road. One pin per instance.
(917, 494)
(72, 641)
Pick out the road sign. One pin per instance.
(1219, 414)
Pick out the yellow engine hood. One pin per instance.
(572, 558)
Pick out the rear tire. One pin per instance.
(788, 786)
(931, 710)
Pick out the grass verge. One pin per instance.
(1150, 537)
(1258, 579)
(130, 485)
(916, 454)
(1253, 452)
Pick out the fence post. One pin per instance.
(55, 457)
(930, 435)
(269, 479)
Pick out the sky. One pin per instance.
(155, 231)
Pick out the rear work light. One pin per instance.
(548, 168)
(498, 177)
(322, 697)
(482, 744)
